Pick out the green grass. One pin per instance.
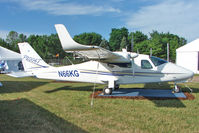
(33, 105)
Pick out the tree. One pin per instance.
(123, 43)
(88, 38)
(55, 47)
(12, 40)
(104, 44)
(143, 47)
(22, 38)
(158, 42)
(4, 44)
(47, 46)
(116, 36)
(138, 36)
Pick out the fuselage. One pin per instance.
(142, 69)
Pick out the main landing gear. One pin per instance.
(108, 91)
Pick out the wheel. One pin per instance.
(107, 91)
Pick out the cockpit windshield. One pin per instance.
(157, 61)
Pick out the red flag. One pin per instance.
(57, 55)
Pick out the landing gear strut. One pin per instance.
(176, 89)
(117, 87)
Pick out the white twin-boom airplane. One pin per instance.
(104, 67)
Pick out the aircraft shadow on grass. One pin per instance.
(173, 103)
(71, 88)
(19, 86)
(22, 115)
(170, 103)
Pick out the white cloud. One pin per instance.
(59, 7)
(177, 17)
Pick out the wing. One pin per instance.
(91, 52)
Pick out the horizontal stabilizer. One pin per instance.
(20, 74)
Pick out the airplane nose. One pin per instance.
(189, 74)
(178, 73)
(185, 73)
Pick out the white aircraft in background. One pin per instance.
(104, 67)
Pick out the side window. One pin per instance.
(145, 64)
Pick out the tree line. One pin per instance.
(48, 46)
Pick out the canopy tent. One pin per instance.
(11, 58)
(6, 54)
(187, 56)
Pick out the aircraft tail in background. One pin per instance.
(30, 59)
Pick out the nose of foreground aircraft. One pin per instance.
(178, 73)
(187, 73)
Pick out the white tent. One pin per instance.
(187, 56)
(11, 59)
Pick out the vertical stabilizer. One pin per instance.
(30, 59)
(67, 41)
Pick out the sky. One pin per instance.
(179, 17)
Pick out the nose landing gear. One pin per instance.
(176, 89)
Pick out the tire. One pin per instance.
(107, 91)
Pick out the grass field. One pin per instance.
(31, 105)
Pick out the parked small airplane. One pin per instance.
(104, 67)
(115, 68)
